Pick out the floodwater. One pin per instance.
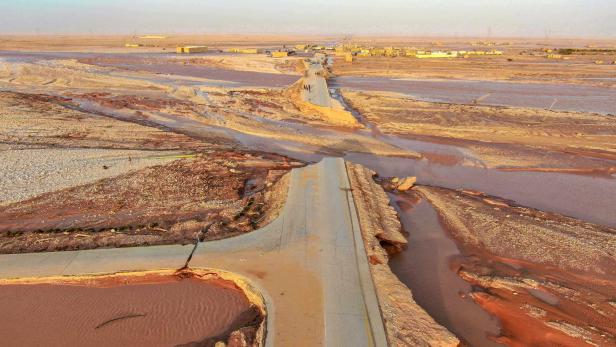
(162, 312)
(564, 97)
(590, 198)
(424, 267)
(585, 197)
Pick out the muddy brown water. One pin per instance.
(564, 97)
(163, 312)
(424, 267)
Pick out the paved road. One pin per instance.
(319, 92)
(310, 264)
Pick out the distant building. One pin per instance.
(153, 37)
(191, 49)
(437, 54)
(244, 50)
(280, 54)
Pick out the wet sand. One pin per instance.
(123, 311)
(563, 97)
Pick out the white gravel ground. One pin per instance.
(27, 173)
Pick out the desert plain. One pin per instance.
(507, 235)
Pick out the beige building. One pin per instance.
(191, 49)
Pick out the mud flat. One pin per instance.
(43, 121)
(249, 62)
(549, 279)
(144, 309)
(210, 196)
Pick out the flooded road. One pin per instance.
(564, 97)
(164, 311)
(424, 267)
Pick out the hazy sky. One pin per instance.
(407, 17)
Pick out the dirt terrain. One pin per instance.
(113, 183)
(501, 137)
(219, 194)
(39, 120)
(548, 278)
(142, 98)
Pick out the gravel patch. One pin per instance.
(27, 173)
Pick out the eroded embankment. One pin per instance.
(407, 324)
(163, 308)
